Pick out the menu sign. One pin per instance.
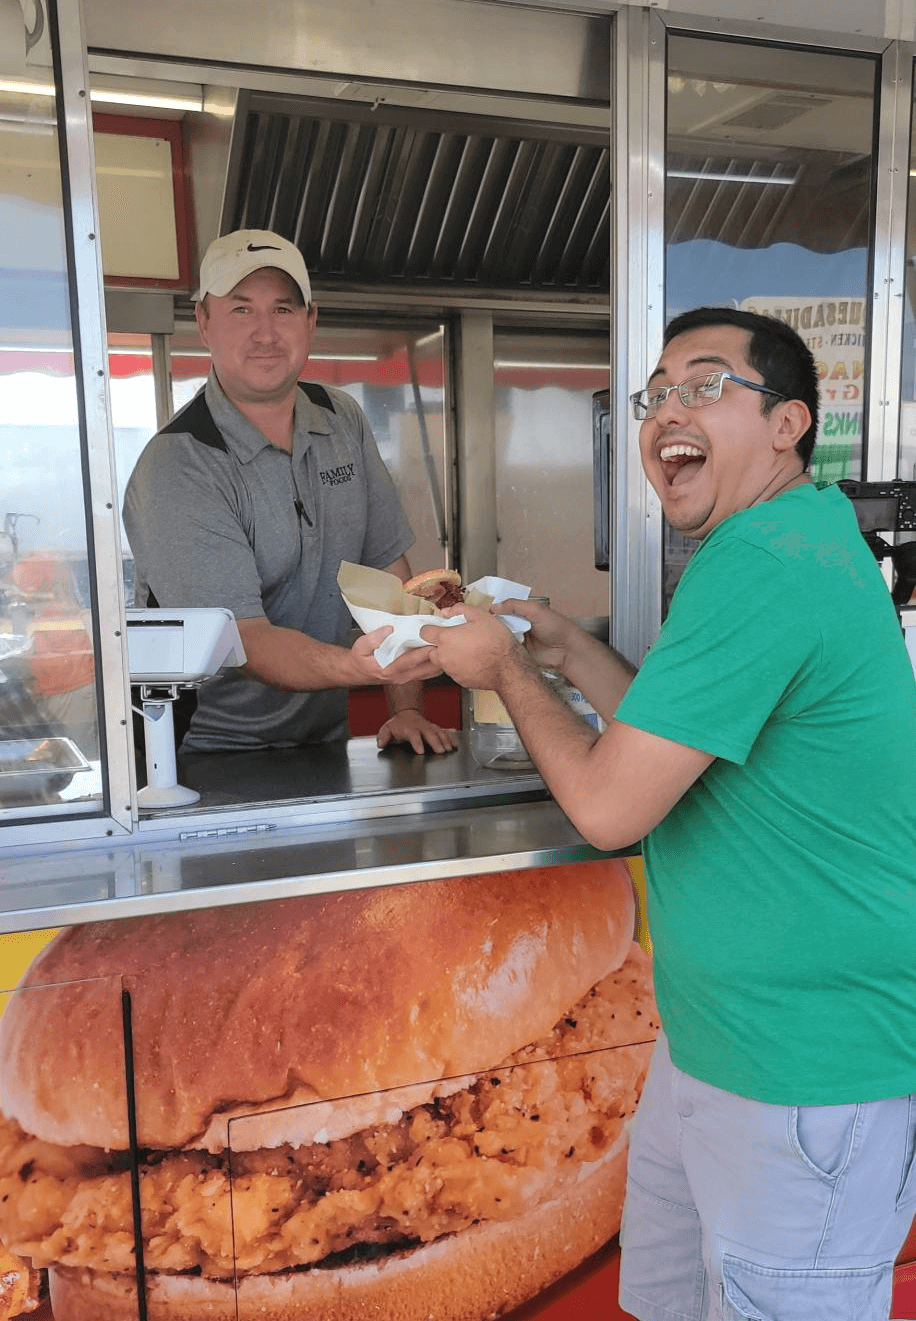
(834, 329)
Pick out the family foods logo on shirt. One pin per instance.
(337, 476)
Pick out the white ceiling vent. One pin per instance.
(775, 112)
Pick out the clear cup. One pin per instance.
(494, 739)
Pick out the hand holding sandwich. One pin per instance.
(477, 653)
(553, 643)
(552, 638)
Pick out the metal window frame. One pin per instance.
(882, 437)
(638, 300)
(640, 68)
(91, 358)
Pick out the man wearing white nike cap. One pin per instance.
(251, 497)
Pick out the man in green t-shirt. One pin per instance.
(765, 752)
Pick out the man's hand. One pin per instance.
(412, 727)
(476, 653)
(552, 635)
(286, 658)
(413, 666)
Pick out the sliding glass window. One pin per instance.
(770, 207)
(50, 763)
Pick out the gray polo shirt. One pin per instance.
(216, 515)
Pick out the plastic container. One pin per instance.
(494, 739)
(574, 699)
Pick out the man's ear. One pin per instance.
(794, 419)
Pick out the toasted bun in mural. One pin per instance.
(407, 1102)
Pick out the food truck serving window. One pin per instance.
(397, 346)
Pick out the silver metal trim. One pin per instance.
(256, 79)
(91, 344)
(444, 43)
(451, 492)
(475, 440)
(895, 102)
(144, 877)
(757, 31)
(639, 299)
(162, 379)
(438, 301)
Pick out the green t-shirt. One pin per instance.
(782, 886)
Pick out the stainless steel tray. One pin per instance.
(38, 767)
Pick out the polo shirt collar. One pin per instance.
(244, 439)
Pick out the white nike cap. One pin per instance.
(230, 258)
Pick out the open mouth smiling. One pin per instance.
(680, 462)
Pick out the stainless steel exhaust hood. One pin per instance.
(397, 196)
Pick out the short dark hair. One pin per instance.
(776, 351)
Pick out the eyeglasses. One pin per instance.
(696, 392)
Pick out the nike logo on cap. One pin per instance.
(262, 247)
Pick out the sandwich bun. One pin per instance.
(301, 1000)
(440, 586)
(429, 1082)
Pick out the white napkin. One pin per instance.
(406, 633)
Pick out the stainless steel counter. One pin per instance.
(296, 821)
(349, 768)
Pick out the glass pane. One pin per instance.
(769, 207)
(49, 755)
(133, 417)
(395, 374)
(544, 466)
(428, 1187)
(189, 361)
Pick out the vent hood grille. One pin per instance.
(393, 196)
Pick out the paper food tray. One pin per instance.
(375, 598)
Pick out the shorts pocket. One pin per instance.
(759, 1293)
(906, 1197)
(822, 1136)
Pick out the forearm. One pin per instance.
(559, 742)
(404, 697)
(286, 658)
(614, 787)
